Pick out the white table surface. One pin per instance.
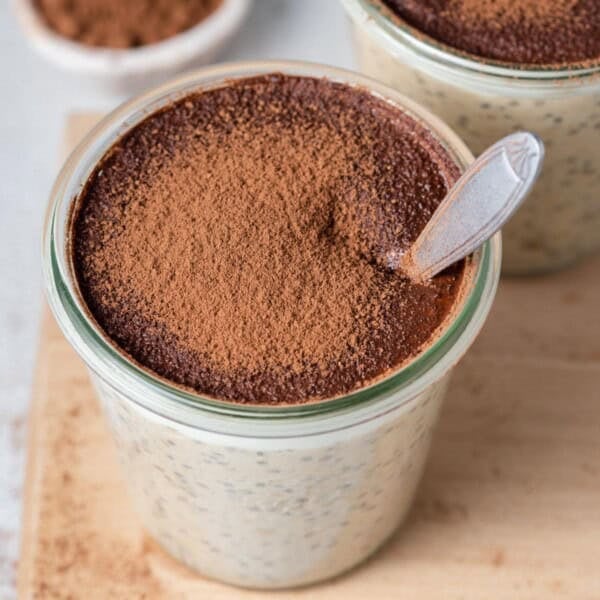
(34, 101)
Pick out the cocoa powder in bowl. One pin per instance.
(231, 242)
(123, 24)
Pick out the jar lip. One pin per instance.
(445, 54)
(121, 373)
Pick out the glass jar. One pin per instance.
(253, 495)
(483, 101)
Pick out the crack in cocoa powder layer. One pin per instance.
(536, 32)
(232, 242)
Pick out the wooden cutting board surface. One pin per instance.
(509, 506)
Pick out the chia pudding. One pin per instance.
(271, 386)
(490, 68)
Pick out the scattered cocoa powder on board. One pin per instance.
(85, 545)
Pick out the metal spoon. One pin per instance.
(480, 202)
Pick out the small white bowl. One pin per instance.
(131, 69)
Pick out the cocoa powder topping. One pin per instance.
(123, 24)
(515, 31)
(232, 243)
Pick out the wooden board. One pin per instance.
(509, 506)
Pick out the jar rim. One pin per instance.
(121, 373)
(432, 49)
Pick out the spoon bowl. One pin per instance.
(482, 200)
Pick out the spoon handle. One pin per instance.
(480, 202)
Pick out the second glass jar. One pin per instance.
(264, 497)
(483, 101)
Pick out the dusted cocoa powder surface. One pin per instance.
(235, 242)
(514, 31)
(123, 23)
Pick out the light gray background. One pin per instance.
(34, 101)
